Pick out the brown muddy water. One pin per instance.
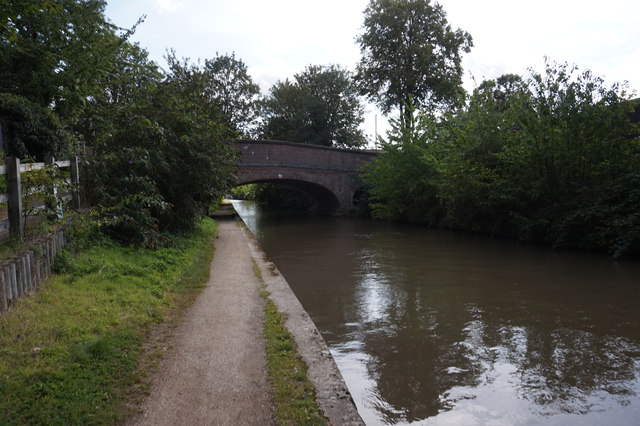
(442, 328)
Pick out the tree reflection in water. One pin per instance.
(438, 340)
(438, 327)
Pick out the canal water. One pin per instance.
(440, 328)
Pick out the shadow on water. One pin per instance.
(445, 328)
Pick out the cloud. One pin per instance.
(167, 6)
(278, 38)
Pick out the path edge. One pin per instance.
(332, 393)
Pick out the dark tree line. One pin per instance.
(548, 158)
(160, 141)
(554, 159)
(321, 106)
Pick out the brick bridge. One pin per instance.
(330, 176)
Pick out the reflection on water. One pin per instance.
(444, 328)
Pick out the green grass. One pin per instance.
(72, 352)
(292, 393)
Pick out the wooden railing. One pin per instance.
(14, 197)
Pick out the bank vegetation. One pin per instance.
(553, 158)
(78, 351)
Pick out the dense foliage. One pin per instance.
(321, 106)
(159, 142)
(30, 130)
(228, 85)
(55, 53)
(52, 58)
(553, 159)
(167, 155)
(410, 54)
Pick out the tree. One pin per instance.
(165, 153)
(496, 95)
(231, 88)
(128, 82)
(403, 182)
(281, 112)
(223, 84)
(161, 146)
(54, 57)
(56, 53)
(410, 55)
(553, 158)
(30, 130)
(320, 107)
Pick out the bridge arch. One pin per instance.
(322, 198)
(330, 176)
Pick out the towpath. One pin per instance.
(215, 372)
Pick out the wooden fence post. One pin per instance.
(14, 188)
(51, 190)
(75, 181)
(55, 206)
(26, 263)
(35, 269)
(15, 291)
(7, 285)
(5, 294)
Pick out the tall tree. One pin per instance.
(223, 83)
(129, 81)
(281, 112)
(54, 56)
(410, 56)
(164, 154)
(56, 53)
(230, 86)
(320, 107)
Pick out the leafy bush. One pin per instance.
(31, 130)
(402, 183)
(552, 159)
(166, 157)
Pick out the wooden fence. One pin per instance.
(12, 169)
(27, 270)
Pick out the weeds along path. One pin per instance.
(215, 372)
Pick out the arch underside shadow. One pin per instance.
(324, 200)
(330, 176)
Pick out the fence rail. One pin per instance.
(12, 169)
(27, 167)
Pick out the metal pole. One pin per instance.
(375, 132)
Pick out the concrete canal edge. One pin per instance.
(332, 393)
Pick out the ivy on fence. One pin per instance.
(38, 192)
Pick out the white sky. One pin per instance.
(279, 38)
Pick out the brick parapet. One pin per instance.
(336, 170)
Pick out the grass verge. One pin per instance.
(293, 395)
(71, 352)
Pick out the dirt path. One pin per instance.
(215, 373)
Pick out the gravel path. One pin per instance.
(215, 373)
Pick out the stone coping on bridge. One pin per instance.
(312, 146)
